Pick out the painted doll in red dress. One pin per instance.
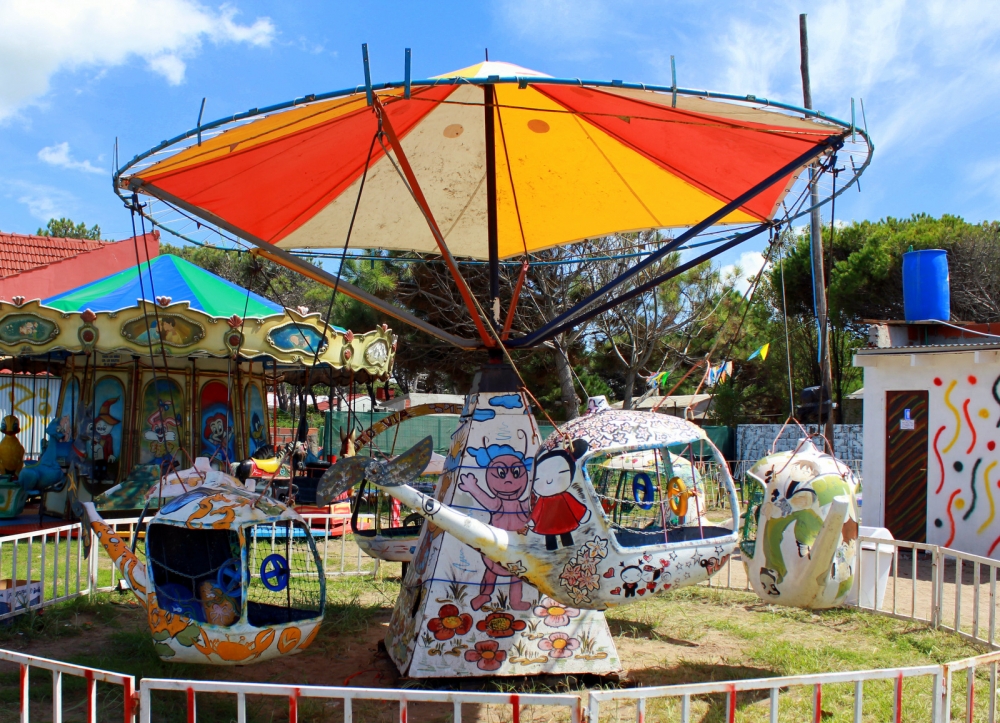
(555, 512)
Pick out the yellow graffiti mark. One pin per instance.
(959, 504)
(989, 494)
(958, 419)
(984, 413)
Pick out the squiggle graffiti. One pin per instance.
(958, 418)
(975, 496)
(996, 396)
(989, 495)
(972, 428)
(940, 461)
(951, 521)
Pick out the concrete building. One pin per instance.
(931, 428)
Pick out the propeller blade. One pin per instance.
(340, 477)
(408, 466)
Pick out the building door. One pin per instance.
(906, 465)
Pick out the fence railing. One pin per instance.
(92, 676)
(40, 568)
(773, 686)
(515, 702)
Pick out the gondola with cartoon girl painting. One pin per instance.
(569, 547)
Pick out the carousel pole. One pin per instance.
(491, 204)
(816, 253)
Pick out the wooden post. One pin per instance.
(816, 250)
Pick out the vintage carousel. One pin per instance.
(126, 388)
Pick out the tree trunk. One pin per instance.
(629, 388)
(570, 400)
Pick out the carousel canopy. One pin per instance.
(567, 162)
(171, 276)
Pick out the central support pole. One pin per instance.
(491, 204)
(816, 252)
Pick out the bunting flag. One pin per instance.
(762, 352)
(718, 374)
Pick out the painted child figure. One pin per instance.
(507, 480)
(555, 512)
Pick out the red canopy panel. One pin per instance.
(272, 188)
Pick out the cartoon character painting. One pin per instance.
(217, 441)
(257, 416)
(507, 482)
(102, 443)
(162, 412)
(170, 329)
(555, 511)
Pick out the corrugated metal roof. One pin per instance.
(21, 252)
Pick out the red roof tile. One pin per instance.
(21, 252)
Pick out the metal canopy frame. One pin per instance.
(580, 311)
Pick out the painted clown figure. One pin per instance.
(102, 443)
(506, 501)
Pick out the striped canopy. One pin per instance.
(172, 276)
(572, 161)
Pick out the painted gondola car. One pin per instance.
(231, 576)
(570, 547)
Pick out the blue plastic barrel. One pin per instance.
(926, 290)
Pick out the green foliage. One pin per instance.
(65, 228)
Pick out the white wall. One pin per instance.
(970, 377)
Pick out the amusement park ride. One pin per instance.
(528, 539)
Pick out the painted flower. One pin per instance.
(486, 655)
(553, 614)
(579, 577)
(516, 568)
(597, 548)
(450, 623)
(559, 645)
(500, 625)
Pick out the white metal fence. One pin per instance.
(47, 566)
(516, 703)
(58, 669)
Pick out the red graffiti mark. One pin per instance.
(937, 381)
(940, 461)
(965, 411)
(972, 379)
(951, 519)
(993, 547)
(991, 445)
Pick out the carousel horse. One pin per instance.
(569, 548)
(45, 475)
(804, 551)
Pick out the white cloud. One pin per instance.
(742, 273)
(43, 37)
(43, 202)
(924, 68)
(59, 155)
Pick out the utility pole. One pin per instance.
(816, 250)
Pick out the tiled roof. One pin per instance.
(21, 252)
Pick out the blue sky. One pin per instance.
(76, 74)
